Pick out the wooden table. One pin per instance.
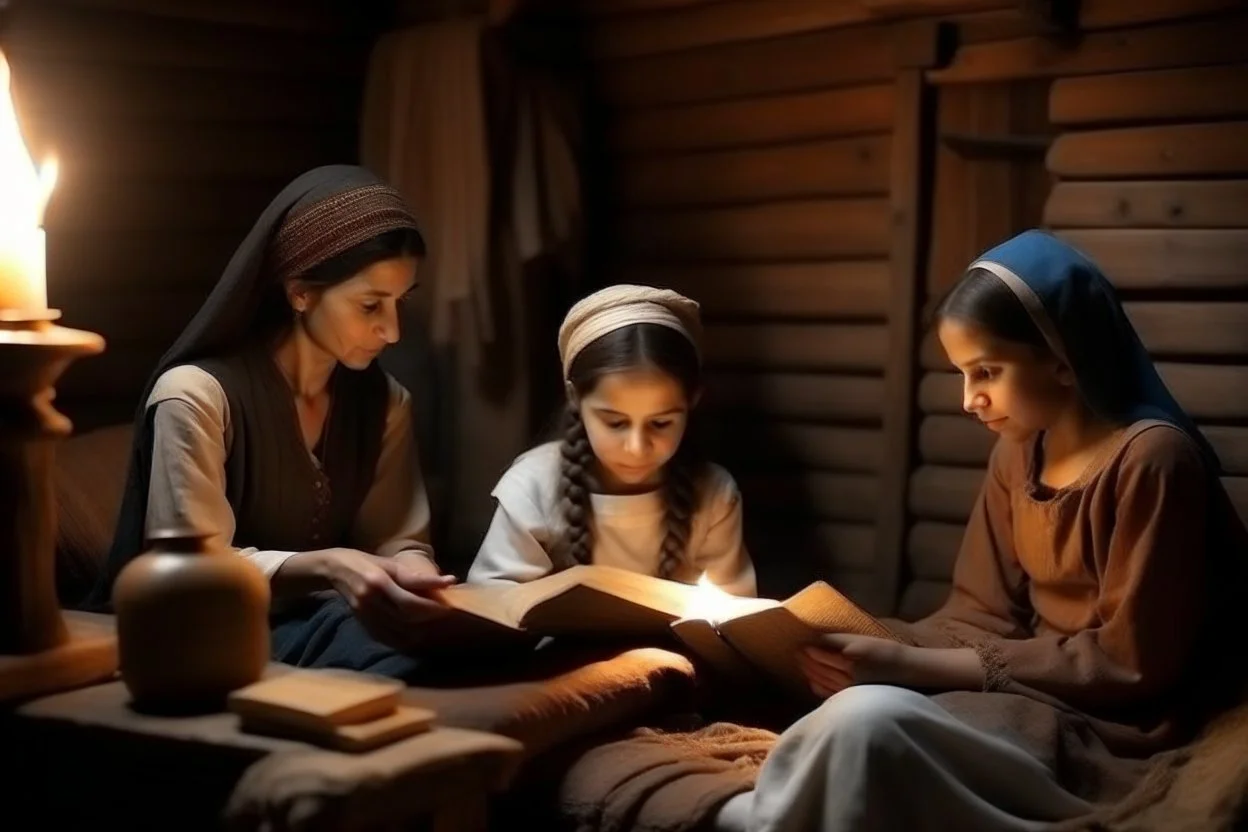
(85, 757)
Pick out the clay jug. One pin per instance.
(192, 623)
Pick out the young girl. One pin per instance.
(1089, 598)
(622, 488)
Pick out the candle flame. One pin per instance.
(26, 188)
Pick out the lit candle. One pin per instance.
(24, 193)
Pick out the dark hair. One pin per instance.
(629, 348)
(983, 299)
(274, 309)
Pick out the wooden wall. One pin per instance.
(756, 158)
(175, 124)
(768, 166)
(1150, 165)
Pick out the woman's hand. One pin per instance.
(389, 595)
(841, 660)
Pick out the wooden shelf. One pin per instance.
(973, 146)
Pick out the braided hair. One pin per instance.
(630, 348)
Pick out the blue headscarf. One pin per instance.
(1078, 312)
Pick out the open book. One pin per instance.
(733, 634)
(729, 633)
(583, 600)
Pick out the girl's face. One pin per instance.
(353, 321)
(635, 420)
(1010, 387)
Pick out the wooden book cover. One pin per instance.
(583, 600)
(316, 700)
(769, 634)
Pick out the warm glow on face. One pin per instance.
(23, 198)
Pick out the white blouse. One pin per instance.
(628, 529)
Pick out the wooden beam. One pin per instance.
(932, 549)
(1194, 330)
(282, 15)
(1231, 445)
(801, 63)
(1180, 259)
(754, 121)
(1149, 204)
(848, 290)
(955, 440)
(908, 252)
(835, 167)
(928, 8)
(1188, 94)
(101, 261)
(1113, 14)
(845, 497)
(769, 445)
(939, 492)
(921, 598)
(813, 396)
(771, 346)
(98, 37)
(93, 204)
(1156, 152)
(1197, 43)
(804, 230)
(609, 8)
(714, 24)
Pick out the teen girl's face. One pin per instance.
(1010, 387)
(635, 421)
(353, 321)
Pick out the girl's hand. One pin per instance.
(839, 661)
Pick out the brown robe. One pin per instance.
(1096, 608)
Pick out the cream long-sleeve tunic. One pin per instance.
(192, 436)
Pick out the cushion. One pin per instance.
(88, 480)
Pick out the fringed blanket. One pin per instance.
(659, 781)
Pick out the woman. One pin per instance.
(269, 427)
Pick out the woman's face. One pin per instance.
(353, 321)
(1009, 387)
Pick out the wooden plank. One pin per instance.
(1191, 329)
(797, 346)
(754, 121)
(798, 395)
(92, 204)
(719, 23)
(909, 218)
(100, 37)
(923, 8)
(837, 167)
(607, 8)
(805, 230)
(284, 15)
(922, 598)
(938, 492)
(91, 261)
(1218, 149)
(764, 444)
(1190, 94)
(1205, 391)
(850, 497)
(1181, 204)
(1181, 259)
(1196, 43)
(821, 291)
(1237, 489)
(64, 89)
(1111, 14)
(844, 545)
(833, 58)
(1231, 445)
(187, 152)
(933, 549)
(955, 440)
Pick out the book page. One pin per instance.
(826, 610)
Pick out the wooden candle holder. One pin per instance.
(41, 648)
